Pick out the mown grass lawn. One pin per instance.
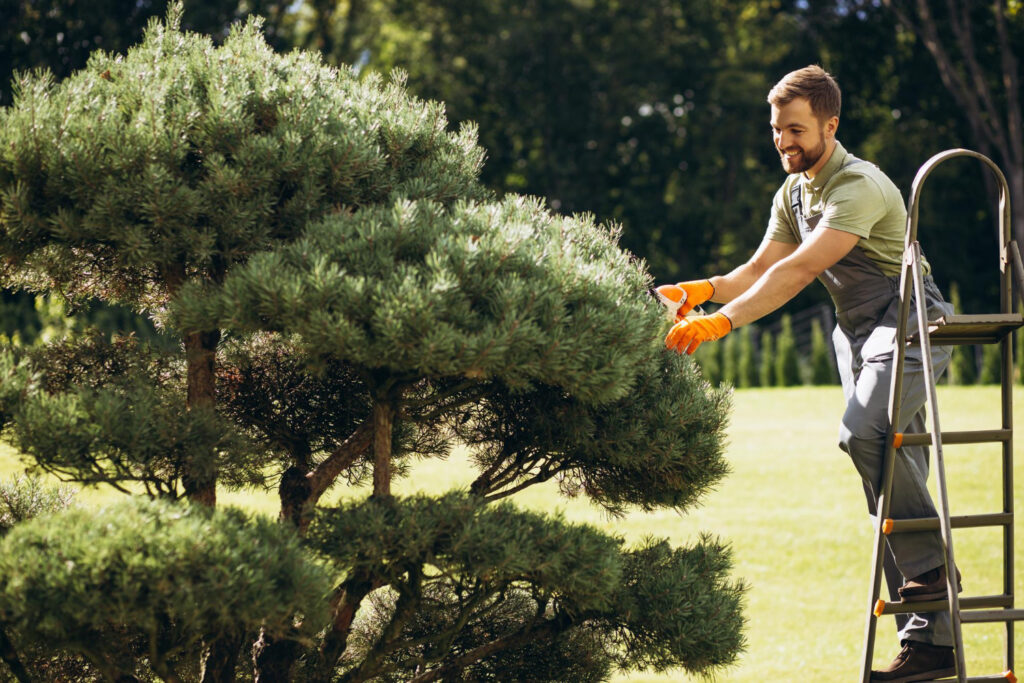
(793, 511)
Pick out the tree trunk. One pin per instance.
(200, 481)
(221, 659)
(345, 604)
(273, 659)
(383, 422)
(10, 657)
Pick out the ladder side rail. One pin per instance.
(1010, 265)
(940, 464)
(1006, 390)
(889, 459)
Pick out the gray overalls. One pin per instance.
(867, 308)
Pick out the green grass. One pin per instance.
(794, 512)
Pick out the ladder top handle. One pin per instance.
(913, 201)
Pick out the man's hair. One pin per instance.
(815, 85)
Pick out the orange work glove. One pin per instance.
(689, 333)
(697, 292)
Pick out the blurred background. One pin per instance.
(650, 115)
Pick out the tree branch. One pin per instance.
(1011, 83)
(10, 658)
(340, 459)
(963, 30)
(545, 630)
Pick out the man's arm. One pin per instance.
(784, 278)
(736, 282)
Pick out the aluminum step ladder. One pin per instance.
(948, 331)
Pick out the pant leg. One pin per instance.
(862, 436)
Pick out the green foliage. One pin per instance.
(709, 358)
(766, 369)
(654, 607)
(347, 294)
(787, 363)
(25, 497)
(579, 653)
(746, 362)
(173, 576)
(822, 368)
(506, 291)
(96, 411)
(658, 447)
(963, 368)
(181, 158)
(730, 359)
(991, 364)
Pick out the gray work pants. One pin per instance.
(864, 345)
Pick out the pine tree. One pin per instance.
(746, 364)
(822, 368)
(710, 358)
(787, 362)
(963, 368)
(346, 296)
(766, 368)
(730, 359)
(991, 364)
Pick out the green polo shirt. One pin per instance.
(853, 197)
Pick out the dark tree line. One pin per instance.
(652, 114)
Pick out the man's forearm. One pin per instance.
(772, 289)
(734, 283)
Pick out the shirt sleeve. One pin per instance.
(782, 224)
(855, 203)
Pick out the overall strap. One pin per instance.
(795, 199)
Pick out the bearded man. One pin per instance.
(841, 220)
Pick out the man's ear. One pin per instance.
(831, 126)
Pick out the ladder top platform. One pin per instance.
(986, 328)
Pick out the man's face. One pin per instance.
(800, 138)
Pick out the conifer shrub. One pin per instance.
(787, 360)
(963, 365)
(170, 576)
(746, 361)
(344, 297)
(766, 366)
(822, 369)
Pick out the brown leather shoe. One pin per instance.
(928, 586)
(918, 661)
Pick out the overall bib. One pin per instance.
(867, 309)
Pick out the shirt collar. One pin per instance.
(834, 163)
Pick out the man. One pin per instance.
(841, 220)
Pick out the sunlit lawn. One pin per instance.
(794, 512)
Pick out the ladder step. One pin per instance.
(981, 616)
(977, 602)
(954, 330)
(897, 526)
(900, 439)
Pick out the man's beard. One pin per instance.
(805, 160)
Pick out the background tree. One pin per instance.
(746, 366)
(821, 367)
(346, 295)
(786, 359)
(766, 368)
(963, 366)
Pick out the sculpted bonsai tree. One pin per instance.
(348, 300)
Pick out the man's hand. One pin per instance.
(697, 292)
(690, 333)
